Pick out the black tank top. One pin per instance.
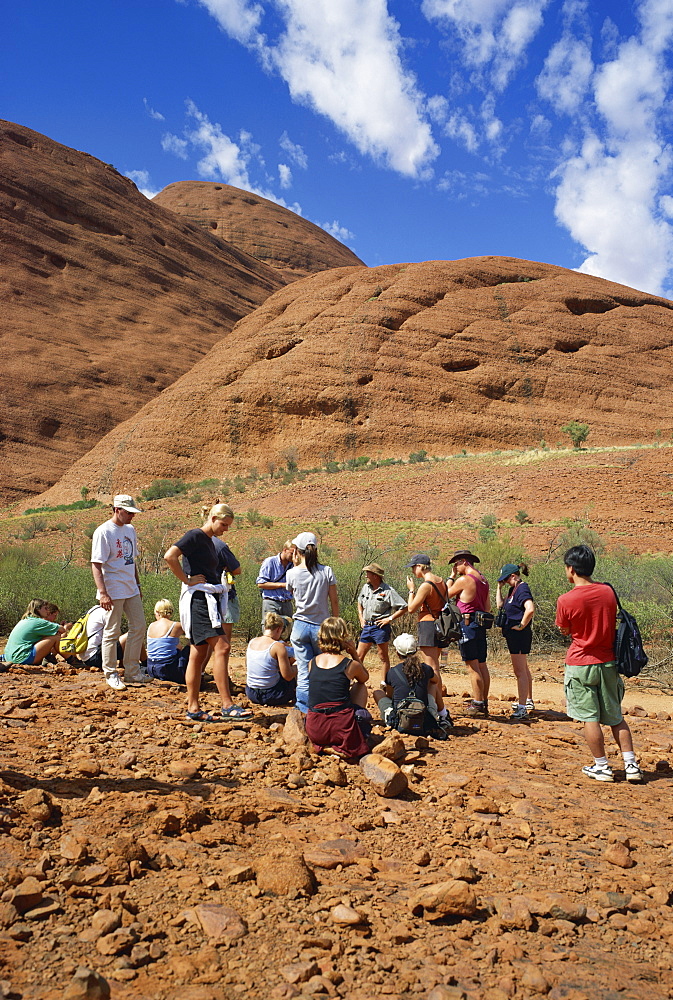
(328, 683)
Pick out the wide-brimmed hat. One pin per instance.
(375, 568)
(420, 559)
(507, 570)
(126, 502)
(405, 644)
(303, 539)
(465, 554)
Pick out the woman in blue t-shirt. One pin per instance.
(518, 609)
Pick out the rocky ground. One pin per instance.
(202, 862)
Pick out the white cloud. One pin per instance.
(238, 18)
(461, 130)
(223, 160)
(612, 189)
(338, 231)
(284, 175)
(151, 112)
(294, 151)
(495, 32)
(343, 60)
(174, 144)
(141, 179)
(566, 75)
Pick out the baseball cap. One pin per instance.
(303, 539)
(405, 643)
(420, 559)
(126, 502)
(507, 570)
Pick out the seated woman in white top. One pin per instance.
(165, 660)
(271, 679)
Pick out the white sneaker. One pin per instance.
(142, 677)
(633, 772)
(115, 682)
(601, 772)
(530, 705)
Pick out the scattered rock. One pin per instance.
(619, 855)
(294, 730)
(330, 853)
(347, 915)
(87, 985)
(454, 898)
(392, 747)
(220, 922)
(384, 775)
(185, 769)
(37, 804)
(284, 874)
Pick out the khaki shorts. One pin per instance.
(594, 693)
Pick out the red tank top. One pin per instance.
(480, 601)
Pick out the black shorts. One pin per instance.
(518, 641)
(201, 626)
(426, 634)
(472, 644)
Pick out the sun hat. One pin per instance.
(405, 644)
(464, 554)
(126, 502)
(374, 568)
(420, 559)
(303, 539)
(507, 570)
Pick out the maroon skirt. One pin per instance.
(335, 725)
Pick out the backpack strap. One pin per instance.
(444, 597)
(619, 603)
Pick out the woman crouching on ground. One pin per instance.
(165, 660)
(35, 636)
(203, 606)
(270, 677)
(518, 609)
(336, 691)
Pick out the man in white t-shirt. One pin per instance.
(114, 550)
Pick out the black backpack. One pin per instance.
(410, 716)
(630, 655)
(447, 625)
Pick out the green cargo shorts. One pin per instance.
(594, 693)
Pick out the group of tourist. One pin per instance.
(319, 668)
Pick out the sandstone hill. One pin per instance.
(274, 234)
(106, 300)
(478, 353)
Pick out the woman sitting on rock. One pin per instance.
(35, 636)
(271, 679)
(408, 699)
(336, 693)
(165, 660)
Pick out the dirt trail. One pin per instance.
(193, 862)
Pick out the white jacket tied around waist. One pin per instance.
(216, 599)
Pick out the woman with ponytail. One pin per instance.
(518, 609)
(313, 588)
(203, 607)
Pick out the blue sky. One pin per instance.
(410, 129)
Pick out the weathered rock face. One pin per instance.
(482, 353)
(106, 300)
(274, 234)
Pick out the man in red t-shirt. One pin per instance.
(593, 686)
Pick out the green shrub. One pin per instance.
(161, 488)
(239, 485)
(418, 456)
(578, 433)
(522, 517)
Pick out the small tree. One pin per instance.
(522, 517)
(578, 433)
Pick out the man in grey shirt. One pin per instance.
(378, 605)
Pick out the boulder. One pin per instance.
(384, 775)
(454, 898)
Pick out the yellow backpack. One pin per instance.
(76, 640)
